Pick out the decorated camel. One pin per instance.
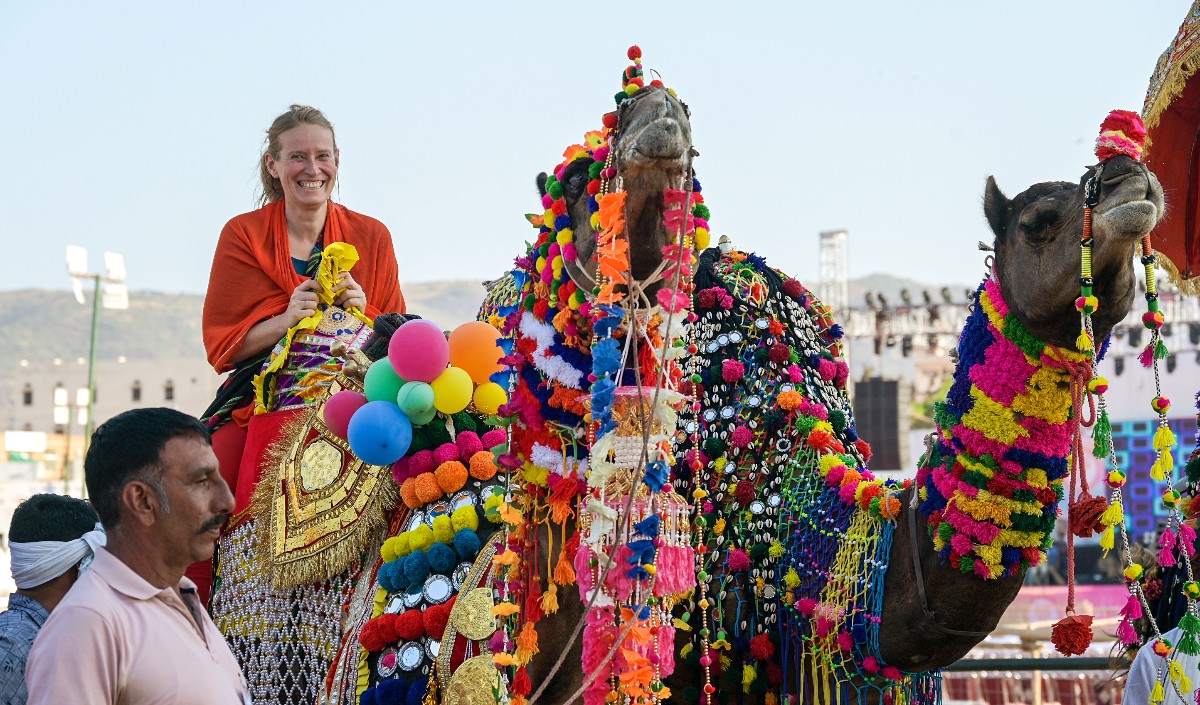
(674, 501)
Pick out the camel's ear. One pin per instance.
(541, 183)
(995, 207)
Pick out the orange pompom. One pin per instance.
(451, 476)
(408, 493)
(427, 488)
(483, 465)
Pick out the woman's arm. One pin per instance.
(266, 333)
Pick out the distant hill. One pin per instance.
(49, 324)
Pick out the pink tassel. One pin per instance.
(676, 570)
(1187, 537)
(1126, 633)
(1146, 357)
(1166, 558)
(1167, 540)
(1132, 608)
(583, 571)
(618, 581)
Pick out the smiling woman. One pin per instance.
(263, 283)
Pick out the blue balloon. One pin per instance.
(379, 433)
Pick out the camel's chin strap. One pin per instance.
(919, 574)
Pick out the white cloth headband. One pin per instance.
(38, 562)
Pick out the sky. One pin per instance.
(136, 127)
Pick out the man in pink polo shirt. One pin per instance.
(131, 630)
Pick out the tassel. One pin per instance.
(1160, 349)
(1174, 670)
(1113, 515)
(1132, 608)
(1156, 470)
(1107, 540)
(1168, 461)
(1166, 558)
(1146, 357)
(1084, 342)
(564, 574)
(1156, 694)
(1167, 539)
(1102, 436)
(549, 599)
(527, 644)
(749, 673)
(1164, 438)
(1126, 633)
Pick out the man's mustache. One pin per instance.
(214, 523)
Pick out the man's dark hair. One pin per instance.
(129, 447)
(51, 517)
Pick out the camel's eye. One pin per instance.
(1040, 223)
(576, 182)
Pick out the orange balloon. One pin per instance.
(473, 348)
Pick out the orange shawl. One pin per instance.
(253, 278)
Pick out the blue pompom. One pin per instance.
(466, 544)
(562, 222)
(368, 697)
(416, 693)
(416, 569)
(392, 692)
(391, 576)
(442, 558)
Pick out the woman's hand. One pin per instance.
(302, 304)
(349, 294)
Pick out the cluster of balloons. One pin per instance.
(423, 373)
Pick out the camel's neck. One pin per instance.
(991, 484)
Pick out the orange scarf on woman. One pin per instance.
(253, 277)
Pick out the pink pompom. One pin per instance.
(834, 476)
(400, 470)
(732, 370)
(806, 606)
(826, 369)
(493, 438)
(420, 462)
(823, 627)
(795, 374)
(737, 560)
(891, 673)
(547, 200)
(445, 453)
(870, 665)
(741, 437)
(468, 444)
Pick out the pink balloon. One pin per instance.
(419, 351)
(339, 408)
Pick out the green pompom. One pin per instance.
(529, 302)
(554, 188)
(700, 211)
(759, 552)
(946, 531)
(464, 422)
(620, 97)
(714, 447)
(837, 419)
(594, 169)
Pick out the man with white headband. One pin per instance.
(132, 631)
(49, 537)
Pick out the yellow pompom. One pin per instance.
(465, 518)
(749, 673)
(792, 579)
(420, 538)
(595, 220)
(565, 236)
(443, 529)
(540, 265)
(703, 239)
(1133, 572)
(631, 89)
(388, 551)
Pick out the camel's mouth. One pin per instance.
(1132, 219)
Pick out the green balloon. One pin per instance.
(382, 383)
(415, 399)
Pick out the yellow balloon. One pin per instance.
(451, 390)
(489, 396)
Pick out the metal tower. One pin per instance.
(834, 286)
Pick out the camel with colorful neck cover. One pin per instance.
(808, 566)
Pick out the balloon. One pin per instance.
(381, 383)
(473, 347)
(452, 390)
(339, 408)
(379, 433)
(419, 351)
(416, 401)
(489, 397)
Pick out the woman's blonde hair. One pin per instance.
(296, 115)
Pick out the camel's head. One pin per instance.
(651, 150)
(1038, 254)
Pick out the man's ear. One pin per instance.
(139, 503)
